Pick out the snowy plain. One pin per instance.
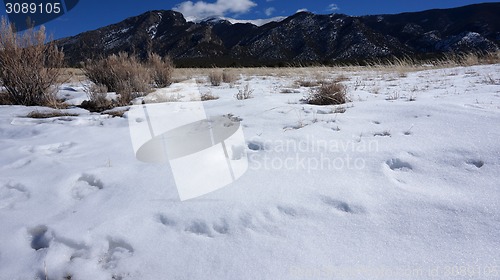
(400, 183)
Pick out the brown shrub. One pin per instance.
(121, 73)
(333, 93)
(98, 101)
(162, 70)
(30, 68)
(215, 78)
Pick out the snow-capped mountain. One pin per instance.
(220, 19)
(301, 38)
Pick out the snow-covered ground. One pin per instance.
(403, 185)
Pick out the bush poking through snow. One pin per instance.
(244, 93)
(162, 70)
(30, 69)
(122, 74)
(215, 78)
(333, 93)
(208, 96)
(98, 101)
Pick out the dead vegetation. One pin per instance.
(127, 76)
(328, 93)
(30, 68)
(49, 114)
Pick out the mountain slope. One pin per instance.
(300, 38)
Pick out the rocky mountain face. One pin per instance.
(303, 38)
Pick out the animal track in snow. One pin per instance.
(288, 211)
(117, 250)
(50, 149)
(199, 227)
(40, 237)
(476, 162)
(166, 221)
(342, 206)
(398, 164)
(85, 185)
(11, 194)
(221, 227)
(255, 146)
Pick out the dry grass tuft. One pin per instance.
(51, 114)
(98, 100)
(208, 96)
(332, 93)
(215, 78)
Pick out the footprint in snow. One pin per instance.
(397, 164)
(342, 206)
(475, 162)
(117, 249)
(50, 149)
(86, 185)
(199, 227)
(12, 194)
(40, 237)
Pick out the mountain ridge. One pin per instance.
(303, 38)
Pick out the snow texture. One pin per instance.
(402, 185)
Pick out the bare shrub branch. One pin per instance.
(244, 93)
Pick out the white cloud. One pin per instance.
(333, 7)
(302, 10)
(269, 11)
(202, 9)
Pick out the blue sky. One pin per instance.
(92, 14)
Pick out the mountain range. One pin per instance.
(303, 38)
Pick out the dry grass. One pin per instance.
(31, 69)
(98, 101)
(49, 114)
(208, 96)
(122, 74)
(73, 75)
(229, 76)
(162, 69)
(215, 78)
(332, 93)
(307, 83)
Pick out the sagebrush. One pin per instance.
(129, 77)
(328, 93)
(30, 68)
